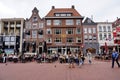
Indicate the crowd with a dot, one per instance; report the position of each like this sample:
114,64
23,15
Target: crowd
71,58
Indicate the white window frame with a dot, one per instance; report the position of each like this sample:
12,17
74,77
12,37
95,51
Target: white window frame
34,34
69,22
49,22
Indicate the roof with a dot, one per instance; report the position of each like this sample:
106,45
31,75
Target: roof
89,21
116,23
63,10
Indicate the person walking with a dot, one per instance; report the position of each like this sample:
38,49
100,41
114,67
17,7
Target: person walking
89,56
115,57
80,59
4,58
71,60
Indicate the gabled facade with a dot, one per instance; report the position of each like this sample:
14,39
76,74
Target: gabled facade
105,37
12,34
33,32
90,38
63,30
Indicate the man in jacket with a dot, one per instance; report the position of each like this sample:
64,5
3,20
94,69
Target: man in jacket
115,57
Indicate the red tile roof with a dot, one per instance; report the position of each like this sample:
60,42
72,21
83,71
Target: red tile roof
63,10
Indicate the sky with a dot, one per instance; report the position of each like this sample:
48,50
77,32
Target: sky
101,10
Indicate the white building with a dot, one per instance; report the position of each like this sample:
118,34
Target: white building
105,35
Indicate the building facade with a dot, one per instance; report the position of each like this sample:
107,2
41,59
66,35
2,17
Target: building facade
63,30
90,38
33,32
12,34
105,37
116,33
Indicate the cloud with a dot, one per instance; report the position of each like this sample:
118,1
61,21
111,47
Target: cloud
100,9
6,11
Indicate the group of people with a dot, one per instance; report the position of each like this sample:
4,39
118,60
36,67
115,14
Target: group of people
70,57
78,59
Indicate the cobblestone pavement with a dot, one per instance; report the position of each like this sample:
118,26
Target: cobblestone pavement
98,70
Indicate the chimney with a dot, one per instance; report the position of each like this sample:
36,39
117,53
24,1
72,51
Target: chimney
53,7
73,7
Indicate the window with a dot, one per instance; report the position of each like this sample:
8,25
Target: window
12,38
109,36
49,31
57,31
109,29
57,40
104,28
63,14
78,22
90,37
49,40
70,40
69,22
85,37
69,14
34,34
1,38
34,25
100,29
78,31
69,31
100,36
57,22
57,14
35,19
105,36
40,36
78,40
89,30
40,32
48,22
89,21
94,37
94,30
85,30
7,38
28,25
40,25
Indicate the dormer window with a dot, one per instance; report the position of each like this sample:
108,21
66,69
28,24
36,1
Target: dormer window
63,14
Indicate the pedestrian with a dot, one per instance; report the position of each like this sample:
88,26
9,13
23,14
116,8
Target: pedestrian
71,60
115,57
80,59
89,56
4,58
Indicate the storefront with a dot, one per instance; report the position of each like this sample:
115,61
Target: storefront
64,49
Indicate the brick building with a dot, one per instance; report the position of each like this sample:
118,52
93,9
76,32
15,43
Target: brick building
90,38
63,30
33,32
